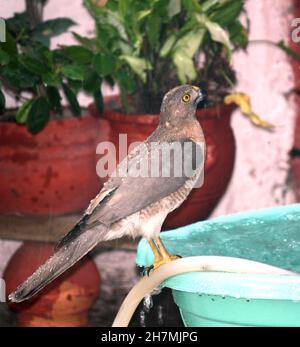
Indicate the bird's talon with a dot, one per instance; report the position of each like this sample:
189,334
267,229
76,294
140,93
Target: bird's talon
146,270
164,260
149,269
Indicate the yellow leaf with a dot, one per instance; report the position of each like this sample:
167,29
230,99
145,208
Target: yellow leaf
243,102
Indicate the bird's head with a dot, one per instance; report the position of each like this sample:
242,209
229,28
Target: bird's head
180,103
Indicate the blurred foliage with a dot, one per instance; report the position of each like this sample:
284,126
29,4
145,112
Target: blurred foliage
37,75
146,47
149,46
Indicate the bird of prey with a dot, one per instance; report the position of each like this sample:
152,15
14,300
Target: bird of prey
131,204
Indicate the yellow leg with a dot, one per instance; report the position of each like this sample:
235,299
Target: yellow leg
161,255
162,250
157,255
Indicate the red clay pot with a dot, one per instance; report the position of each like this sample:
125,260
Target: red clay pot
219,161
295,161
65,302
53,172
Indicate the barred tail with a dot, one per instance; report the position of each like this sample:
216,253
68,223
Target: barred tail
62,260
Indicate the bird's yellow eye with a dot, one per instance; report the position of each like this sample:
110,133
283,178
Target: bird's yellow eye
186,97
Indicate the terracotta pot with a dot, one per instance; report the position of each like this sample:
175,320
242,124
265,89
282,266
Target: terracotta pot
295,158
65,302
219,161
52,172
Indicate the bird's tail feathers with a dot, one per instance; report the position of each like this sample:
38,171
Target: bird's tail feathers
62,260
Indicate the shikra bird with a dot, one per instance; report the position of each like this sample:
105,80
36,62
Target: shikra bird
136,204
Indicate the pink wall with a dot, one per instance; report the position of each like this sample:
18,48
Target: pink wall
262,166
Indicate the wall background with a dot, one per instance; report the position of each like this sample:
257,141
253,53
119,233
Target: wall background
261,175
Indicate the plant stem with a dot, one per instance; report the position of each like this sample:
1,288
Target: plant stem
229,81
265,42
34,8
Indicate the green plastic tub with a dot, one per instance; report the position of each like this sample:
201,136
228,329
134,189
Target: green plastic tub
270,236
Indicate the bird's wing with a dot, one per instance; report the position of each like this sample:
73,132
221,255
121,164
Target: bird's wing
111,185
81,224
124,196
135,193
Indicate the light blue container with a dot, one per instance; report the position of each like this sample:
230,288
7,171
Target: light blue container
270,236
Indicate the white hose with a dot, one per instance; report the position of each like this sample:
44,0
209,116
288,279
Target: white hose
191,264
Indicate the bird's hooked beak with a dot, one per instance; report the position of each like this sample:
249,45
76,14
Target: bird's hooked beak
201,96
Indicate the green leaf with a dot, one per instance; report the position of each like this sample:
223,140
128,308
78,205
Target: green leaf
75,85
238,35
85,41
103,64
217,33
185,67
80,54
142,14
91,81
126,82
72,99
23,111
110,21
51,78
184,52
44,55
208,4
191,6
190,43
138,65
153,30
33,65
167,46
52,27
289,51
18,23
98,99
227,12
39,115
174,8
54,99
161,8
123,7
109,79
4,58
74,72
10,46
16,76
2,102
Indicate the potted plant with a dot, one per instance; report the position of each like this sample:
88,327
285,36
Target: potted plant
47,151
148,48
47,154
